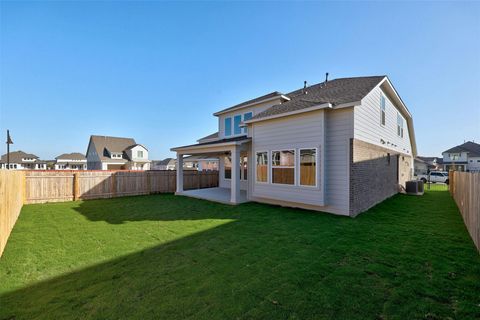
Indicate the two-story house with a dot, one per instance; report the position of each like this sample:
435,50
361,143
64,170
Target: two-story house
339,146
464,157
20,160
116,153
71,161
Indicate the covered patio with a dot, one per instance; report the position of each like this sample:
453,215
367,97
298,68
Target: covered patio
219,148
222,195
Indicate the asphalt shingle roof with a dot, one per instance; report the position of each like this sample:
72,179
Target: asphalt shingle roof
266,96
471,147
112,144
17,156
337,91
71,156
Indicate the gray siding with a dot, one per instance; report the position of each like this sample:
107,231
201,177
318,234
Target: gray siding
368,127
305,130
339,130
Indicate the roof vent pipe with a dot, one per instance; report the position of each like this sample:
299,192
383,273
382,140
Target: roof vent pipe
326,78
305,87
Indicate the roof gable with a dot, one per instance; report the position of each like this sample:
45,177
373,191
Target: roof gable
472,148
110,144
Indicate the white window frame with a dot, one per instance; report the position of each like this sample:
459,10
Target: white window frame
294,166
268,167
383,109
243,131
399,125
316,167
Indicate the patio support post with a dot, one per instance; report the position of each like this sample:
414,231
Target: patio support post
179,166
235,181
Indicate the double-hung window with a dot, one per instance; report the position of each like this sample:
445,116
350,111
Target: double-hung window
228,127
140,154
382,110
283,167
262,167
308,167
399,125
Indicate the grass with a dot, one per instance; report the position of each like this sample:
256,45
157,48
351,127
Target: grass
170,257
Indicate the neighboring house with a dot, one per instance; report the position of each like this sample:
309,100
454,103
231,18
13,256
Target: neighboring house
420,166
200,163
165,164
20,160
339,146
425,164
115,153
190,163
464,157
71,161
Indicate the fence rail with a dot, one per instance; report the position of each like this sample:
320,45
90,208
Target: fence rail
56,186
11,201
465,189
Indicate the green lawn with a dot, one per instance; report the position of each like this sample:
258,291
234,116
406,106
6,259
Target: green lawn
168,257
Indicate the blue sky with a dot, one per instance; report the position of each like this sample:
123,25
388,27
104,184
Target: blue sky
157,71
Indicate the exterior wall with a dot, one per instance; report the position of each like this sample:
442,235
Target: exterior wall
93,159
293,132
25,166
133,153
473,164
368,127
420,167
447,157
375,174
59,165
255,109
339,131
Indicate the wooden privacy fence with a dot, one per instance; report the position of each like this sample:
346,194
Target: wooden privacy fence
465,189
11,201
56,186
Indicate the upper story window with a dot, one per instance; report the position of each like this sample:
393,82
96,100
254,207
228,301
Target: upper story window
140,154
454,156
236,124
228,126
382,110
235,129
399,125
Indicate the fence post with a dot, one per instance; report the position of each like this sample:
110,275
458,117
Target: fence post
76,188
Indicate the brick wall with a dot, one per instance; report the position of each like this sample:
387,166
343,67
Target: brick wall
375,174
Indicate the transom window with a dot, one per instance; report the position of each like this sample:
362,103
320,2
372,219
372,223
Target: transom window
382,110
283,167
308,167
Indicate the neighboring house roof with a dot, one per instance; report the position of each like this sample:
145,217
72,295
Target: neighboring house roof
431,159
164,162
418,159
71,156
335,92
267,96
112,144
200,158
17,156
135,145
471,147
